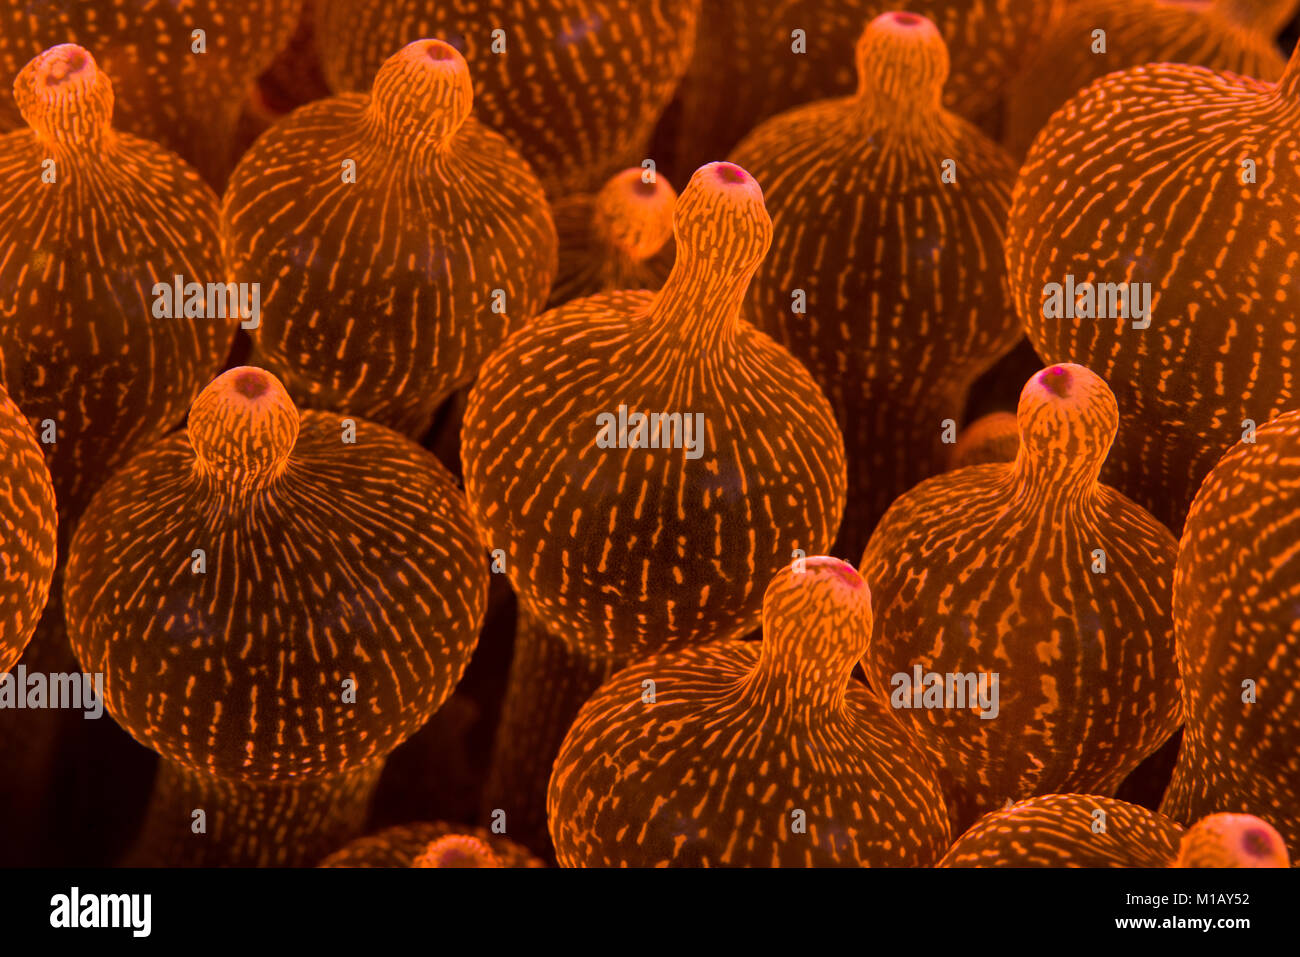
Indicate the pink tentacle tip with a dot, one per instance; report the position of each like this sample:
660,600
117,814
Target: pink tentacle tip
842,569
439,51
731,173
1056,380
252,384
1257,842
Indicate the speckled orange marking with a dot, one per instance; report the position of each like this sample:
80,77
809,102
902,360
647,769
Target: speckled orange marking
189,102
1230,35
1139,179
377,296
989,569
325,562
625,551
739,738
1065,830
619,238
1237,619
745,70
903,273
577,90
79,257
27,532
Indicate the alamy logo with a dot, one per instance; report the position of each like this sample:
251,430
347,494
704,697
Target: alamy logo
934,690
74,909
36,690
656,430
216,300
1106,300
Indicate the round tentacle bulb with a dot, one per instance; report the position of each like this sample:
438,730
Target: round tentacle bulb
1086,830
433,844
28,523
397,240
576,85
1023,630
1153,237
106,335
182,68
990,438
729,754
619,238
1237,621
886,274
649,461
30,632
748,68
1096,37
1068,830
1232,840
277,599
